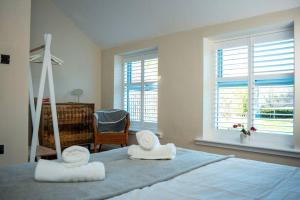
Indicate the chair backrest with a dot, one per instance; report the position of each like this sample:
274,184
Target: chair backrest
112,120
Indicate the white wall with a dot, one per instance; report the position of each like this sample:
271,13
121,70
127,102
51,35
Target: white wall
180,109
82,57
14,40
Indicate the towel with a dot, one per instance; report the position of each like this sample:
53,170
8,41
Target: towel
167,151
55,171
75,156
147,139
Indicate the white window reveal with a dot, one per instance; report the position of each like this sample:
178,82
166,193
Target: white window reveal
140,97
255,82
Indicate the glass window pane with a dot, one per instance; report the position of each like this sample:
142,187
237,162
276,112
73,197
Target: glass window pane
150,103
273,110
232,106
134,104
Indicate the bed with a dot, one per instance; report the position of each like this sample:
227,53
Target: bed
191,175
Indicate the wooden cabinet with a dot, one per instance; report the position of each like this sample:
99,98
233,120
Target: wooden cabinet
75,123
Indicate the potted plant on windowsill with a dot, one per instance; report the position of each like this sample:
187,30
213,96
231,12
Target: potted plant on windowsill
245,133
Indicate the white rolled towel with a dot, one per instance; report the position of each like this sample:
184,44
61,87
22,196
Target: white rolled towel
75,156
167,151
54,171
147,139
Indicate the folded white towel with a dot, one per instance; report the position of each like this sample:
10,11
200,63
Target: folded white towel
167,151
75,156
54,171
147,139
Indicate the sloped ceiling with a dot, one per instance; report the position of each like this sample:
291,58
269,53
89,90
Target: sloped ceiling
115,22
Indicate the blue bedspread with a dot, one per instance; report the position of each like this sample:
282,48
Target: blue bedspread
122,175
230,179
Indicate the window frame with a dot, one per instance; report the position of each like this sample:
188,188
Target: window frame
250,40
140,56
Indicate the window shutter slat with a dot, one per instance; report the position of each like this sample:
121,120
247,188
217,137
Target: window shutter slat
277,57
232,62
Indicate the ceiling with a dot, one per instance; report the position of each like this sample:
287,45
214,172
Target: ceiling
115,22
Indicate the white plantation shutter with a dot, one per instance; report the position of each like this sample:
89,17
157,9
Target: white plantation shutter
255,83
276,57
132,90
273,88
141,90
232,89
150,90
233,62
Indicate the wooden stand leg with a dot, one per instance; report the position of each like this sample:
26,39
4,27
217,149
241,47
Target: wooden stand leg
100,147
37,115
47,67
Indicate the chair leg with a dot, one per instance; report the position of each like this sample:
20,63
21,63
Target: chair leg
100,147
95,148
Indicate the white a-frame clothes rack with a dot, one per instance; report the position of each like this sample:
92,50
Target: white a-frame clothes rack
36,111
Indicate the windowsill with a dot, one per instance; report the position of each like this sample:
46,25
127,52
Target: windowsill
282,151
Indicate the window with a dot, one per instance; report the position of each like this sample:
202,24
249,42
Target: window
255,82
140,96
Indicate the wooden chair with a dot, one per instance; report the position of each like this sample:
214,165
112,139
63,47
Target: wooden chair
120,138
